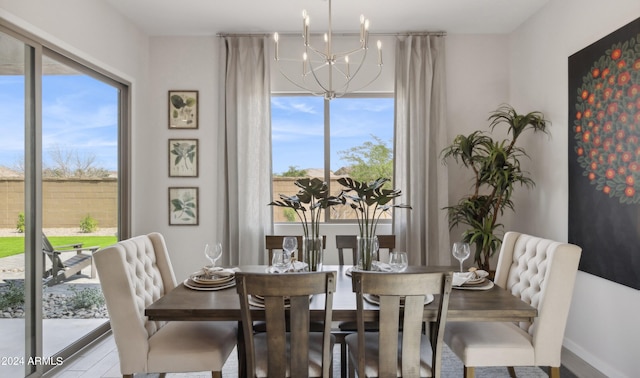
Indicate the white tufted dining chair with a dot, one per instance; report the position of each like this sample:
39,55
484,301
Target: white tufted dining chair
542,273
133,274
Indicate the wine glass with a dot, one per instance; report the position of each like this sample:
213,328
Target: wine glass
213,253
281,261
398,261
290,244
461,252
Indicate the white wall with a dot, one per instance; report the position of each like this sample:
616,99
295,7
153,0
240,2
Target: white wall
602,328
477,83
179,64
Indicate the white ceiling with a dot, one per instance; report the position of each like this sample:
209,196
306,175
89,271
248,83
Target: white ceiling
208,17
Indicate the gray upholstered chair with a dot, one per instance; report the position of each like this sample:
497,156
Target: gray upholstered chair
399,348
542,273
288,348
133,274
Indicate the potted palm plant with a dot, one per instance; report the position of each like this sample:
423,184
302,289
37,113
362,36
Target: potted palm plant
313,197
496,172
369,201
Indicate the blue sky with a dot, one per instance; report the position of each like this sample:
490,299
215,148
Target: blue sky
298,128
79,116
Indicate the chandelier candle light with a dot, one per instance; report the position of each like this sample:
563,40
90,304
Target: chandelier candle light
337,64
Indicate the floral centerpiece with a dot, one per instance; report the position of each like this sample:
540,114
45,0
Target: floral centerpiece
369,201
314,193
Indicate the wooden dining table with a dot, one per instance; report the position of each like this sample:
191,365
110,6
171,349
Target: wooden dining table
495,304
184,304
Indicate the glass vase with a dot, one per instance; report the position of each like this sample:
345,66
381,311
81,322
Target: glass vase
367,252
313,252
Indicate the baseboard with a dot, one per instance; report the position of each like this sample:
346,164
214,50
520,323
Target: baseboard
578,366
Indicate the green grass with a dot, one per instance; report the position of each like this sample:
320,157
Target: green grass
13,245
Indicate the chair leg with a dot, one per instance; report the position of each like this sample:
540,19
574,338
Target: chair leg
512,371
554,371
127,376
216,374
343,359
469,372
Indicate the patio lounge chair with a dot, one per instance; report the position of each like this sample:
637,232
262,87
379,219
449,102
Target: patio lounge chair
63,269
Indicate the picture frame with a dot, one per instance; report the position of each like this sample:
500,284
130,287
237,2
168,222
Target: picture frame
183,206
183,157
183,109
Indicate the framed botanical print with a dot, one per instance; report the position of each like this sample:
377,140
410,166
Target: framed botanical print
183,109
183,206
183,157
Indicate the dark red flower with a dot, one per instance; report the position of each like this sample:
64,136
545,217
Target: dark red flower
592,176
624,78
634,90
636,64
606,189
615,54
626,157
610,174
610,159
623,118
634,167
630,180
607,93
580,151
584,94
629,191
612,108
605,72
621,64
596,72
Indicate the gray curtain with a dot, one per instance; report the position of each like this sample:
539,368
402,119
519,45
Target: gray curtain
244,148
420,136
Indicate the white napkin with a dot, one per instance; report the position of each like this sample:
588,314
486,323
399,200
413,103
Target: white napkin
460,278
382,267
218,271
298,266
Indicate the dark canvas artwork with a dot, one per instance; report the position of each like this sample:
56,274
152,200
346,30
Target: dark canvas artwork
604,155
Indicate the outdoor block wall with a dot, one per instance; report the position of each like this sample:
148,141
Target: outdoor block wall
66,202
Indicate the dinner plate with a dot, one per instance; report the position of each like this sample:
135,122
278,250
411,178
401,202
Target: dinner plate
475,281
485,286
195,286
378,267
208,280
374,299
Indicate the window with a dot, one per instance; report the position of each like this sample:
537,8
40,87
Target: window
313,137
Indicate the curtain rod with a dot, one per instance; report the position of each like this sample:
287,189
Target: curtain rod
403,34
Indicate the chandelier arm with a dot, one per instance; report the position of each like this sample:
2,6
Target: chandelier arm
315,77
348,53
308,89
346,85
318,52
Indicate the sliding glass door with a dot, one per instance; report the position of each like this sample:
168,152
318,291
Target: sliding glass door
63,195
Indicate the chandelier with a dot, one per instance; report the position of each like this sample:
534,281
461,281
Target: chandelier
325,72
